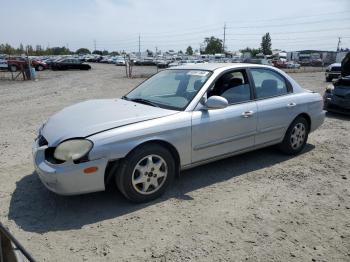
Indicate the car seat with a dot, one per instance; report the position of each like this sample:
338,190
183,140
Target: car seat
268,88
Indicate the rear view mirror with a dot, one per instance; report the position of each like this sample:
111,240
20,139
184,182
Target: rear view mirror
216,102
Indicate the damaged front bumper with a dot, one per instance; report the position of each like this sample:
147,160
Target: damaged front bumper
68,178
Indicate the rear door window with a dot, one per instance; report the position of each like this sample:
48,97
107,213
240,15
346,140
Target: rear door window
268,83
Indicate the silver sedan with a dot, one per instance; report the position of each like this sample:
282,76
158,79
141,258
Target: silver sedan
177,119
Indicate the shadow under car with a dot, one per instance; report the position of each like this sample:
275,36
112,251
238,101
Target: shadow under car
36,209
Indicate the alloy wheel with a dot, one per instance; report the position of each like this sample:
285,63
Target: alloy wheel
149,174
298,135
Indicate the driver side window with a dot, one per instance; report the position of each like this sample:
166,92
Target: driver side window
233,86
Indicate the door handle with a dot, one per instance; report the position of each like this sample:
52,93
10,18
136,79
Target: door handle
247,114
291,104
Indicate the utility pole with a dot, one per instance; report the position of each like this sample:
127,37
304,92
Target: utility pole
339,41
94,45
223,47
139,46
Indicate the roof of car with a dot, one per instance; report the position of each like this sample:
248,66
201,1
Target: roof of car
214,66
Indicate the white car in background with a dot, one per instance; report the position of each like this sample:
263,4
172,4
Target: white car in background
333,71
120,61
3,64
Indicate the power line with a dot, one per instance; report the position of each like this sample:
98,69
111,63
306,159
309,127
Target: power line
298,32
215,26
292,24
296,17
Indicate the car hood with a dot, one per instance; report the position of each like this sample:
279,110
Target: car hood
94,116
342,90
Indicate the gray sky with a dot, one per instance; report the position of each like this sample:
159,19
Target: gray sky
170,24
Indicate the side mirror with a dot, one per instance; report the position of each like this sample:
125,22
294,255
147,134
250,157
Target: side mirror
216,102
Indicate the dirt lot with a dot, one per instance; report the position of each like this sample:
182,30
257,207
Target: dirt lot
260,206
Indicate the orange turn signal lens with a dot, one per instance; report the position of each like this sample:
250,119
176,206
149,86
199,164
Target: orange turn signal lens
91,169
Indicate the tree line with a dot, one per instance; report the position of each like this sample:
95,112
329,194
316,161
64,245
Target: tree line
38,50
212,45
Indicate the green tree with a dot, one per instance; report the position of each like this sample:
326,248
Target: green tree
266,44
253,51
59,51
105,52
38,50
180,52
212,45
83,51
189,50
7,49
114,53
29,50
97,52
20,50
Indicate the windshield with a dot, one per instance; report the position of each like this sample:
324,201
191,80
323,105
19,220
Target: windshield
172,89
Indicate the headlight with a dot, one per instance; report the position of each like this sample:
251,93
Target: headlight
73,149
329,89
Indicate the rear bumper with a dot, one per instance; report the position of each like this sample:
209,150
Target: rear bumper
332,75
336,105
317,120
68,178
336,109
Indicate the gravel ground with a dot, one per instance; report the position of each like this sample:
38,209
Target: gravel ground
260,206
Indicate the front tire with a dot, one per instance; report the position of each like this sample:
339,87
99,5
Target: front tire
296,137
13,68
145,173
39,68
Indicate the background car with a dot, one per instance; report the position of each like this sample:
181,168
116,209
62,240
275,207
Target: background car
16,63
333,71
337,96
70,63
3,64
179,118
292,65
120,61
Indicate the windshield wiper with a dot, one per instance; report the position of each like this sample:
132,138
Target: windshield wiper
142,101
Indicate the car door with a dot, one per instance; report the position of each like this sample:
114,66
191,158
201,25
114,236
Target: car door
223,131
275,102
76,64
71,64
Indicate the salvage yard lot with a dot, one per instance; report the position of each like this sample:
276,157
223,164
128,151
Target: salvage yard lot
260,206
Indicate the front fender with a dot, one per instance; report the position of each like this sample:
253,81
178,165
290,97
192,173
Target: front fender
117,143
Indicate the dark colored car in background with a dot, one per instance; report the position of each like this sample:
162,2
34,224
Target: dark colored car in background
70,63
50,61
337,97
333,71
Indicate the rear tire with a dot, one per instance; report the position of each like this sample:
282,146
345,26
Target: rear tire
145,173
296,137
328,79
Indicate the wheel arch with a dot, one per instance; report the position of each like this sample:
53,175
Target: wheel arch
113,165
306,117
